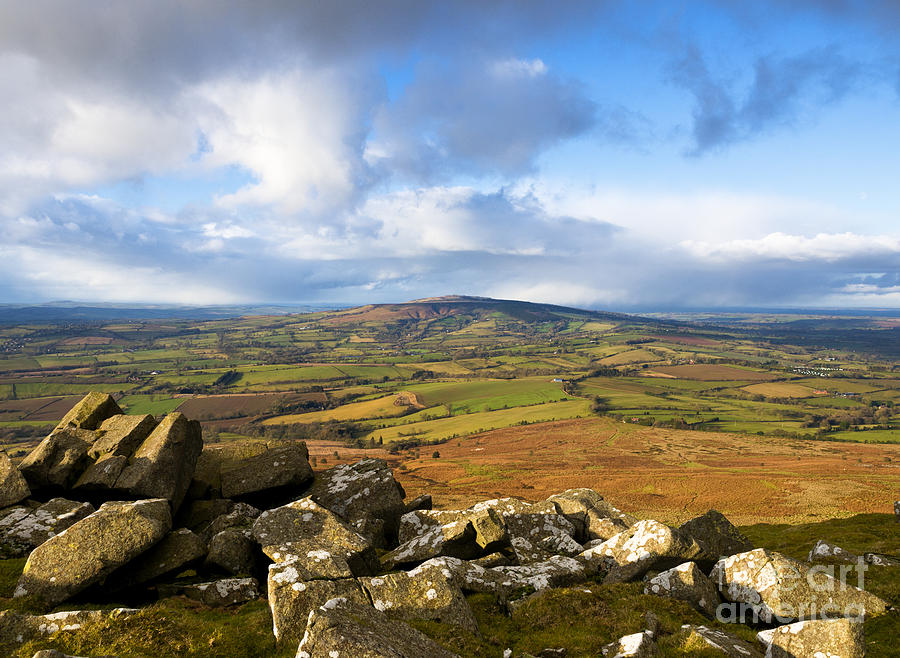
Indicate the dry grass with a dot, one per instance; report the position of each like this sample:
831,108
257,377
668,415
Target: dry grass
668,474
780,390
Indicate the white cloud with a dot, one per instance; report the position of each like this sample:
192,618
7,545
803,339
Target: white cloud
56,274
298,132
827,247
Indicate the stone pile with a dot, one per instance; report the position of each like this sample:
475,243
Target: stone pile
110,503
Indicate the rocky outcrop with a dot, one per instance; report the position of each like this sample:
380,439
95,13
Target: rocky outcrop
93,548
291,598
177,550
13,487
25,529
821,637
454,539
163,465
593,517
716,536
364,490
232,551
304,525
224,592
90,412
824,551
771,585
686,583
120,435
421,594
60,458
274,473
646,545
344,628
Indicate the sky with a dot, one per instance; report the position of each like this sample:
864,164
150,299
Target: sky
602,154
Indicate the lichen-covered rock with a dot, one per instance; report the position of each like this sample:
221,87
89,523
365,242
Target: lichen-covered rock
345,628
877,560
421,594
686,583
17,628
716,535
472,577
636,645
121,435
536,537
163,465
646,545
58,460
558,571
311,564
593,517
22,532
364,489
712,639
824,551
772,585
232,551
176,551
490,528
841,638
13,487
277,469
423,502
454,539
92,548
291,598
90,412
241,515
224,592
101,476
304,524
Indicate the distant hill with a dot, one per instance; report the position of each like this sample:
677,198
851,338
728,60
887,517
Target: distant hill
474,307
76,312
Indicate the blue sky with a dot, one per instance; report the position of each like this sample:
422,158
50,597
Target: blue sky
601,154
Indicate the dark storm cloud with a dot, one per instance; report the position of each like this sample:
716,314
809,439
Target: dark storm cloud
783,91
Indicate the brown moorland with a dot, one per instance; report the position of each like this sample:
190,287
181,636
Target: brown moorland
660,473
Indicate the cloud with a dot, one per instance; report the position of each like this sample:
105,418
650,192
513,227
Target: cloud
825,247
783,91
481,117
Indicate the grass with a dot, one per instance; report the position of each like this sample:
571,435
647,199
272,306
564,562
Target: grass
466,424
381,407
867,436
172,627
478,396
156,405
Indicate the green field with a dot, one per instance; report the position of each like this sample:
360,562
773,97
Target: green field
454,426
463,361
